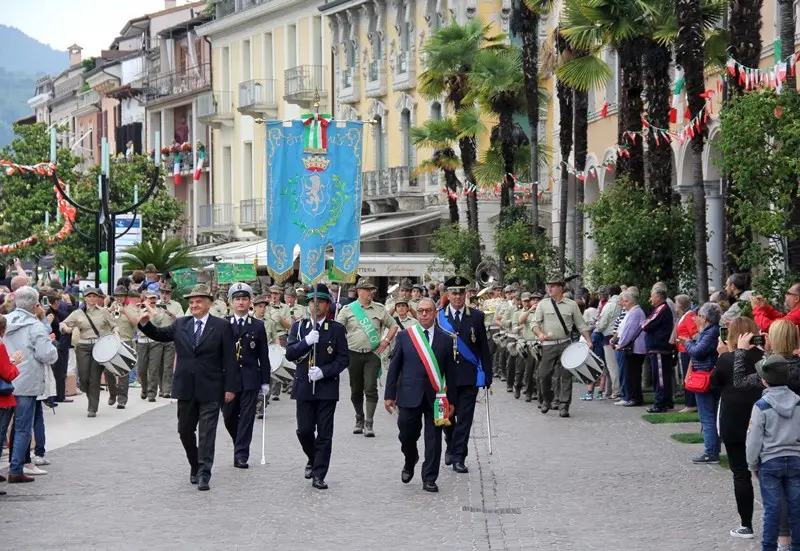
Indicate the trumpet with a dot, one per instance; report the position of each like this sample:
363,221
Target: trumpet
116,313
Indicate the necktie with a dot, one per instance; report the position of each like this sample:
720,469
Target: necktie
458,316
427,337
198,331
241,326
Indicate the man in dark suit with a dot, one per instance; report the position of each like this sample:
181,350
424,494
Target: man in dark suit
473,368
252,356
319,348
410,389
206,372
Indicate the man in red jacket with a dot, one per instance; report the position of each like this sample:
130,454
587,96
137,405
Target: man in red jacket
765,314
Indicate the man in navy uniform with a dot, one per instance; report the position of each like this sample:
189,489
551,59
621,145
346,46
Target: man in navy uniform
250,341
473,367
318,346
415,394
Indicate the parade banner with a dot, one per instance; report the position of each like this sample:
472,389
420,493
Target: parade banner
314,196
231,273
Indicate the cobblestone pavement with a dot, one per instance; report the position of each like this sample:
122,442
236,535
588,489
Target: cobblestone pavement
602,480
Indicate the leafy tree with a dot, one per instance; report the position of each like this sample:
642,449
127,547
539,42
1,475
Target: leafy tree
167,255
634,240
441,135
760,146
458,246
26,197
526,257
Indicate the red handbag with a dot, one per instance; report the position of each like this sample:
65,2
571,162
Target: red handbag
697,381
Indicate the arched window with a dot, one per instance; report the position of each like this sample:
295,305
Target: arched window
436,111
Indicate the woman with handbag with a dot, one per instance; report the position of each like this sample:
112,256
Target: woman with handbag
734,417
703,354
8,372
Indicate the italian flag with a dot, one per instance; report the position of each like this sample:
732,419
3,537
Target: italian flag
440,404
676,97
176,173
198,171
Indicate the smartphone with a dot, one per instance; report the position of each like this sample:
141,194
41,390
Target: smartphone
723,333
162,306
757,340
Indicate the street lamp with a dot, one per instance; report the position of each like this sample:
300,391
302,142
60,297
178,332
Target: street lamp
105,229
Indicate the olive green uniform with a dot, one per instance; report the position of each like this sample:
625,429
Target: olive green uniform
126,331
365,364
89,371
546,320
168,352
278,335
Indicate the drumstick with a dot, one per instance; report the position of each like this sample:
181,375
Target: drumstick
264,429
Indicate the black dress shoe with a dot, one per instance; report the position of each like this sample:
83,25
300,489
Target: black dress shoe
656,410
308,469
65,401
240,464
319,484
193,478
430,487
120,406
528,398
407,474
112,400
448,459
459,467
563,413
202,485
544,408
151,399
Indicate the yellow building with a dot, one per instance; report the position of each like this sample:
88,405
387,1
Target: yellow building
603,142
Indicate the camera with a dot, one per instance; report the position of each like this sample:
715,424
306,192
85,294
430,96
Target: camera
757,340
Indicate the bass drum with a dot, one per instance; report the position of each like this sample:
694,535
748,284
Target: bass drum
282,370
114,355
585,365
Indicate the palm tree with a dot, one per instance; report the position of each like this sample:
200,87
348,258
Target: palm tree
490,169
786,15
441,135
525,22
588,25
167,256
690,55
497,86
450,53
565,98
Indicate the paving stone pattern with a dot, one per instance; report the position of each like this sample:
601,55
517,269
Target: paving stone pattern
603,480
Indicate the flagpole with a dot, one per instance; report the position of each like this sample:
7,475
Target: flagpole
314,350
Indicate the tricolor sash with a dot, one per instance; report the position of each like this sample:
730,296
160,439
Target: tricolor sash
366,325
440,404
463,349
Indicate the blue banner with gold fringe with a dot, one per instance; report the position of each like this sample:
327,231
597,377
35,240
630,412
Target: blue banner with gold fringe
314,195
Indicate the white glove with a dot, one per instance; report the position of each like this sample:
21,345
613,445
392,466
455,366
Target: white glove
264,389
314,373
312,337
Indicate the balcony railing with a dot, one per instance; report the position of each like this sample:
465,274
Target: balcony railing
217,216
224,8
178,82
387,182
214,105
302,81
252,213
257,93
68,87
88,99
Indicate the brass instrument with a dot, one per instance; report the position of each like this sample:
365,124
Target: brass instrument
487,273
116,313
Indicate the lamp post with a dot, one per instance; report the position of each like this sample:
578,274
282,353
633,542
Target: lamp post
105,228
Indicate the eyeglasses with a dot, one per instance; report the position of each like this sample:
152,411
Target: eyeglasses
793,294
424,310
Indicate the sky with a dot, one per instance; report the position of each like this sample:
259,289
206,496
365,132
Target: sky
91,24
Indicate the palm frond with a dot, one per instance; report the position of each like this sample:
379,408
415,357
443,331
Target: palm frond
715,48
490,171
435,133
584,73
168,255
469,123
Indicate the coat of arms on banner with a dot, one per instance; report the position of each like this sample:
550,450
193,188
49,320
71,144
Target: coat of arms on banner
314,194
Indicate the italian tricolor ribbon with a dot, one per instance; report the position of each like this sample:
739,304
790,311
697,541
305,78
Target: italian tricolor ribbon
316,133
440,405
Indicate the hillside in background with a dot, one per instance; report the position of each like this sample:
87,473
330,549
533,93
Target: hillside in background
22,60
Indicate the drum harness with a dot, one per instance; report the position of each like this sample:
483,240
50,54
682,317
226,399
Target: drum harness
96,332
570,335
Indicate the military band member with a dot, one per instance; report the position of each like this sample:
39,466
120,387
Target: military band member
509,326
280,316
404,293
172,310
473,368
501,355
159,368
126,317
554,338
489,308
402,314
93,323
296,311
365,321
422,364
250,341
526,379
416,296
319,348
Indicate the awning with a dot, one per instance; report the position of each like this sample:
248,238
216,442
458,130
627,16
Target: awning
371,227
396,265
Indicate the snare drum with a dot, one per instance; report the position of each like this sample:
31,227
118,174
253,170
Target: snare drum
281,369
114,355
584,364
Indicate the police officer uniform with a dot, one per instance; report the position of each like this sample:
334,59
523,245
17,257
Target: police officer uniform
253,359
470,327
320,353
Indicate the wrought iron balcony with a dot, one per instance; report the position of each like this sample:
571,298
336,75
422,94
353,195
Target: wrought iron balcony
215,108
193,79
257,98
302,82
218,217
